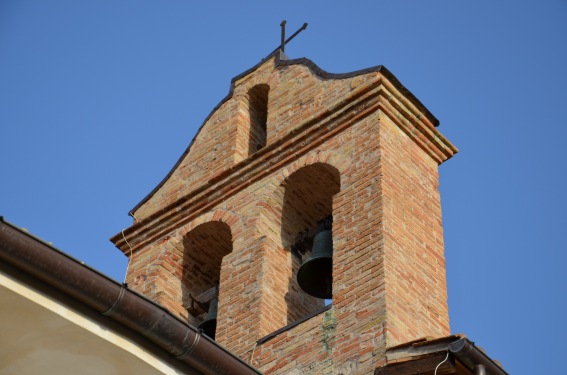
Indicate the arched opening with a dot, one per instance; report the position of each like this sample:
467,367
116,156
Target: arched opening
258,112
204,248
307,211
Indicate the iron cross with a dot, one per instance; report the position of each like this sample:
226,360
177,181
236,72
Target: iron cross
284,41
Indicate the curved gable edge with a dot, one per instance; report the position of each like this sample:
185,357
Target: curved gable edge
282,60
374,69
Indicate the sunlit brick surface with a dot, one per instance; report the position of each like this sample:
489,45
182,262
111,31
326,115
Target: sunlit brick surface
357,147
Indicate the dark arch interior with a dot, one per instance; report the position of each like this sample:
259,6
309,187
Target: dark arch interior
258,107
204,248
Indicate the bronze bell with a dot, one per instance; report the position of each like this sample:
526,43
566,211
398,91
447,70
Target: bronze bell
209,324
315,276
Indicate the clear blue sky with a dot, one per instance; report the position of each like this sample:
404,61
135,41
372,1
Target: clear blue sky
98,99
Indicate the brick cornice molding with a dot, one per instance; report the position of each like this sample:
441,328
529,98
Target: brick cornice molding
377,92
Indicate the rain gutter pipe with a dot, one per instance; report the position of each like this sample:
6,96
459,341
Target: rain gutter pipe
474,359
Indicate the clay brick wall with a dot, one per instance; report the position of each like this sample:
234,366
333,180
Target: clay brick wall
358,147
416,296
306,348
295,95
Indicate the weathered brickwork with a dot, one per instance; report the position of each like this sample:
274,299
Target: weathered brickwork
358,147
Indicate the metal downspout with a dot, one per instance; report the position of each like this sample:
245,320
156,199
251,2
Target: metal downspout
479,370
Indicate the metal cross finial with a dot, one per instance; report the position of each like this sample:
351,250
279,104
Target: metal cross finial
285,41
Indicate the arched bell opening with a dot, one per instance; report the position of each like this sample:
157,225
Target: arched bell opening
307,232
204,248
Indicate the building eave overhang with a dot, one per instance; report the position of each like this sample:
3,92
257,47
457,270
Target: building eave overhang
116,301
454,354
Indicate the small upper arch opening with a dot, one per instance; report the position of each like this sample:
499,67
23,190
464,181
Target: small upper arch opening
258,115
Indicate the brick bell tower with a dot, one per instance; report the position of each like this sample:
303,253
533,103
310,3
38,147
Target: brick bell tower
291,152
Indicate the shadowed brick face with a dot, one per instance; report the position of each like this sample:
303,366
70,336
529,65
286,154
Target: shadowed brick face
358,147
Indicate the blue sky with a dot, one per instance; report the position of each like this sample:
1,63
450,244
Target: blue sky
99,99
